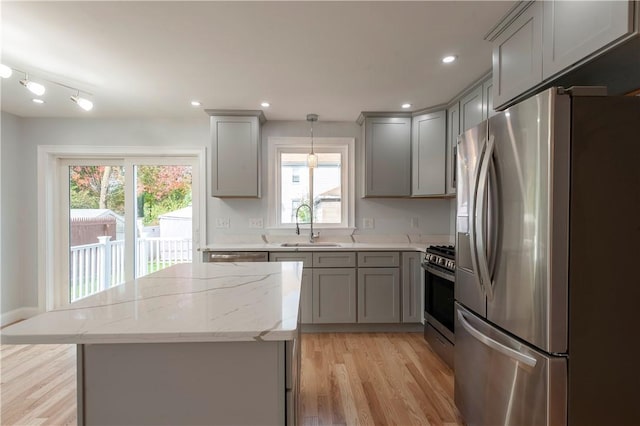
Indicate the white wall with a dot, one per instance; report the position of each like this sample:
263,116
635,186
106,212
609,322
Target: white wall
17,217
19,147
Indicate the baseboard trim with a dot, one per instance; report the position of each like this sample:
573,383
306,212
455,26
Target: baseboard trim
362,328
17,315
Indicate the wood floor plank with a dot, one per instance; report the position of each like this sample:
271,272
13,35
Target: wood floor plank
346,379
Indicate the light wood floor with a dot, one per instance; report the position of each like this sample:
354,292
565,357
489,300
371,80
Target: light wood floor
347,379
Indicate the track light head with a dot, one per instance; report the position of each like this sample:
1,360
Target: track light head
83,103
5,71
35,88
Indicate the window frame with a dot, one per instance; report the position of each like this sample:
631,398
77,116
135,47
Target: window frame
52,159
345,146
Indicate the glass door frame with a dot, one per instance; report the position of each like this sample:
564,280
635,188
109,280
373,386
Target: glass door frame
53,237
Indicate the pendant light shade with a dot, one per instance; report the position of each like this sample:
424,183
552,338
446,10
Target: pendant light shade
312,158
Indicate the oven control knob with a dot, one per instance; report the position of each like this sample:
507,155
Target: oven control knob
441,261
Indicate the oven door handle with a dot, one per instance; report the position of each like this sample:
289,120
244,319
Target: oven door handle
495,345
438,273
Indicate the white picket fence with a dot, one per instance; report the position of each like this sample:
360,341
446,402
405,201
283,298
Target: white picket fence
96,267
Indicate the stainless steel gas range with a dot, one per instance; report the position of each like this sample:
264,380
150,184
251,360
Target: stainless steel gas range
439,265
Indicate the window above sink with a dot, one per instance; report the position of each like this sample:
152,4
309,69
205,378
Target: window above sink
331,185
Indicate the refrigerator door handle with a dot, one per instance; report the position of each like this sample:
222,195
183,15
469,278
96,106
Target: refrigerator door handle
473,220
494,224
493,344
479,226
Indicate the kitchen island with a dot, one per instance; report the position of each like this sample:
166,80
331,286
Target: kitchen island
191,344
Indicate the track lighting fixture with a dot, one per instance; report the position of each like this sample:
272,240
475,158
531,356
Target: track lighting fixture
38,89
35,88
83,103
5,71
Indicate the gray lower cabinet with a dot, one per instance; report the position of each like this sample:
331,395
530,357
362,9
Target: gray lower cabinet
334,295
306,292
412,288
378,295
306,297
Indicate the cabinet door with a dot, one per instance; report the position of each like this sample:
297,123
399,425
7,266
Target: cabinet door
235,165
575,29
378,295
412,287
387,157
453,130
334,295
517,56
471,110
306,297
487,100
428,145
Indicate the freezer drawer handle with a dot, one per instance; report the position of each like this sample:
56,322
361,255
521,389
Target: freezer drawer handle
493,344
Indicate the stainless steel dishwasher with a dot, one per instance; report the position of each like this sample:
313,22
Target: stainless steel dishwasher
235,256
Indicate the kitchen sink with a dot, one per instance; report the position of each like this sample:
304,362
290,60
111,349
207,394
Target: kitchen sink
309,245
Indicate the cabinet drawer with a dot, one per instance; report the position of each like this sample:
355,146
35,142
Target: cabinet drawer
378,259
283,256
334,259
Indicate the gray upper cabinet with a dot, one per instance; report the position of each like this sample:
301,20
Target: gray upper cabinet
471,109
412,287
487,100
542,40
387,156
517,55
378,295
574,30
428,146
334,295
235,153
453,130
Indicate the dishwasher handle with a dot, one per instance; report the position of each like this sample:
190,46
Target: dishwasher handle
248,256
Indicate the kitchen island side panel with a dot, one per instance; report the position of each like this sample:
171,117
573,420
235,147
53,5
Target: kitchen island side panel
227,383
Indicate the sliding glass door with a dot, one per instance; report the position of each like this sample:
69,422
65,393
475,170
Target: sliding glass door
123,218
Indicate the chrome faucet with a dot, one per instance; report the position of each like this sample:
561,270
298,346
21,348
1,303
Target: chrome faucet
313,236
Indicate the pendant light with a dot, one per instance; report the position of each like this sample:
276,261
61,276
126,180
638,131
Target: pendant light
312,158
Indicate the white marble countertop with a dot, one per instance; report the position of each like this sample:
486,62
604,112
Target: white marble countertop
317,247
211,302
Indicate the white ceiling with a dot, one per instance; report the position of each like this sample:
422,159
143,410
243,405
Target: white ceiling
150,59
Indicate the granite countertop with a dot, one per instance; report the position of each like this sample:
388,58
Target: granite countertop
210,302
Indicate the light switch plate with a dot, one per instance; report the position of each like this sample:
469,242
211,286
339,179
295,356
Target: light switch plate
222,222
367,223
414,222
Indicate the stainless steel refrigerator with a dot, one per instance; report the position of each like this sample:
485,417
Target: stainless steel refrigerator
548,260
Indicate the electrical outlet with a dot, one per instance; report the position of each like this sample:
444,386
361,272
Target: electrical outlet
222,222
255,222
367,223
414,222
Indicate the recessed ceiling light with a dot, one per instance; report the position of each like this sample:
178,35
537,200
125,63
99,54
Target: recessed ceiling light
405,106
265,104
195,103
449,59
37,101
